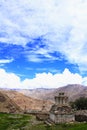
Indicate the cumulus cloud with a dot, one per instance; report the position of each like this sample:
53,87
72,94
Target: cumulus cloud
63,25
9,80
48,80
41,80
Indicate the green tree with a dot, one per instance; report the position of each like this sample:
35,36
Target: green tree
80,104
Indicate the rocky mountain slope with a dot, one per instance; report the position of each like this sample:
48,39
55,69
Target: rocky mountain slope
27,103
8,105
73,91
38,93
36,99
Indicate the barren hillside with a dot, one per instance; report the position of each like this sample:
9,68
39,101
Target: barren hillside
8,105
74,91
35,99
27,103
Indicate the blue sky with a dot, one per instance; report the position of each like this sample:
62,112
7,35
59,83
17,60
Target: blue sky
43,43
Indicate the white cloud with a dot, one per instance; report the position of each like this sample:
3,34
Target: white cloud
62,23
9,80
23,20
48,80
4,61
44,80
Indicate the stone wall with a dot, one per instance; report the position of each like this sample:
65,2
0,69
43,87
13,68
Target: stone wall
62,118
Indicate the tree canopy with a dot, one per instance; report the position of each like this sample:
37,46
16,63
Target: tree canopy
80,104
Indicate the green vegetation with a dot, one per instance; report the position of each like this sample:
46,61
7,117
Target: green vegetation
13,121
80,126
80,104
28,122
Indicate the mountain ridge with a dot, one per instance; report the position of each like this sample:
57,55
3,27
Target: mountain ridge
35,99
26,103
72,90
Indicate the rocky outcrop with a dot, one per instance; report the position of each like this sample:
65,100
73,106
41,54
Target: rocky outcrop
81,115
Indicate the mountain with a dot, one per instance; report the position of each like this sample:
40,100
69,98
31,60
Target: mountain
25,102
73,91
8,105
38,93
36,99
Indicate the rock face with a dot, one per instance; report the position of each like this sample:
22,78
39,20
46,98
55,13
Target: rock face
7,105
81,115
2,98
61,112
